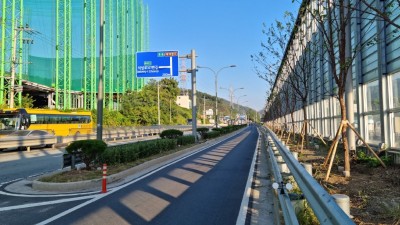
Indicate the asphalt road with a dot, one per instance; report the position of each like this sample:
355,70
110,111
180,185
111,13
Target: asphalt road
203,188
16,164
21,164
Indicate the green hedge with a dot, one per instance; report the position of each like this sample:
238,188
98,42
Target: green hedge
171,134
212,134
186,140
202,131
131,152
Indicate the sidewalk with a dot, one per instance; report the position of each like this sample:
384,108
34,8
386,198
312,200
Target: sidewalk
261,205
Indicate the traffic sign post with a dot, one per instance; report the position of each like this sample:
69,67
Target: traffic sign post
157,64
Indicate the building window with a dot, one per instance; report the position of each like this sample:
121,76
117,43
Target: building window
396,129
396,90
372,96
374,129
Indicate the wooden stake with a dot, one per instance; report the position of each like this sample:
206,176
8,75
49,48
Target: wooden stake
368,147
336,139
333,153
302,137
315,131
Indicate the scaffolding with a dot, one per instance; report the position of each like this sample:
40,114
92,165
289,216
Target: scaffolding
65,58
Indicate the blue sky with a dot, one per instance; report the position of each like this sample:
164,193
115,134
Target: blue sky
223,32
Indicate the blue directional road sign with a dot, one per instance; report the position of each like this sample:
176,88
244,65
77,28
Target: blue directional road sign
157,64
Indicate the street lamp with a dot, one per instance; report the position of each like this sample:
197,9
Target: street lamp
237,101
231,94
243,111
216,88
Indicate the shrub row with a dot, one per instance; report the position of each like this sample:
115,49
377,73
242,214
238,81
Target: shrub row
131,152
222,130
202,131
171,134
185,140
212,134
97,151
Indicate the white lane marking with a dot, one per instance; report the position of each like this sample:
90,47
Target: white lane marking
247,191
7,182
98,197
45,203
48,195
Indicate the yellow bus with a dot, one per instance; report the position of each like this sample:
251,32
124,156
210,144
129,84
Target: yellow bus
53,121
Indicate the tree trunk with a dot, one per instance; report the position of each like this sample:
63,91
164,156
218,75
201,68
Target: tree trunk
305,137
346,154
293,127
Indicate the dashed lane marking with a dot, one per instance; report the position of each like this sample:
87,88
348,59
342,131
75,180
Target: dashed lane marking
8,208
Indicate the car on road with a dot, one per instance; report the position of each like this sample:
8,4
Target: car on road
30,133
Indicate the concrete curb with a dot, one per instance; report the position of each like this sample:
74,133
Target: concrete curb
121,176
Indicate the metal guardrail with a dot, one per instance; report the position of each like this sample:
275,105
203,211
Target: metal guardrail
322,203
288,211
109,134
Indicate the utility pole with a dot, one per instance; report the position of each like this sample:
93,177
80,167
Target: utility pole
101,70
204,109
193,71
194,104
158,103
12,83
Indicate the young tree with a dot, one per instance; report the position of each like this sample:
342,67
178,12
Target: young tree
267,62
140,107
333,20
385,12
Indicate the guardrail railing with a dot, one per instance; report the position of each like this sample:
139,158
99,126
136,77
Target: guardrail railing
287,208
109,134
322,203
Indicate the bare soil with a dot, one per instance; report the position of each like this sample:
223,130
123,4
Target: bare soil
374,192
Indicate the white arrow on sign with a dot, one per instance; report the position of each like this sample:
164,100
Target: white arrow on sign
168,67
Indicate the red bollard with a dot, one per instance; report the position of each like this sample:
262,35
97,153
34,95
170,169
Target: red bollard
104,188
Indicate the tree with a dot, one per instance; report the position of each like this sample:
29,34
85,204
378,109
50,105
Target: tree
267,62
332,21
140,107
382,12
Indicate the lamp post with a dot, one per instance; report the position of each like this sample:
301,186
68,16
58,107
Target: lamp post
242,109
216,88
231,94
237,104
237,101
204,109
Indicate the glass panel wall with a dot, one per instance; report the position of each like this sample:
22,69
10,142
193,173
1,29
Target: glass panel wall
374,129
396,128
396,90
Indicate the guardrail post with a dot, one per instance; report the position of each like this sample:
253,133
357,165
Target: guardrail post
104,183
343,202
73,161
296,155
308,167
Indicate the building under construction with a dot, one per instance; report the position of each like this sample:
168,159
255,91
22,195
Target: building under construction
49,49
